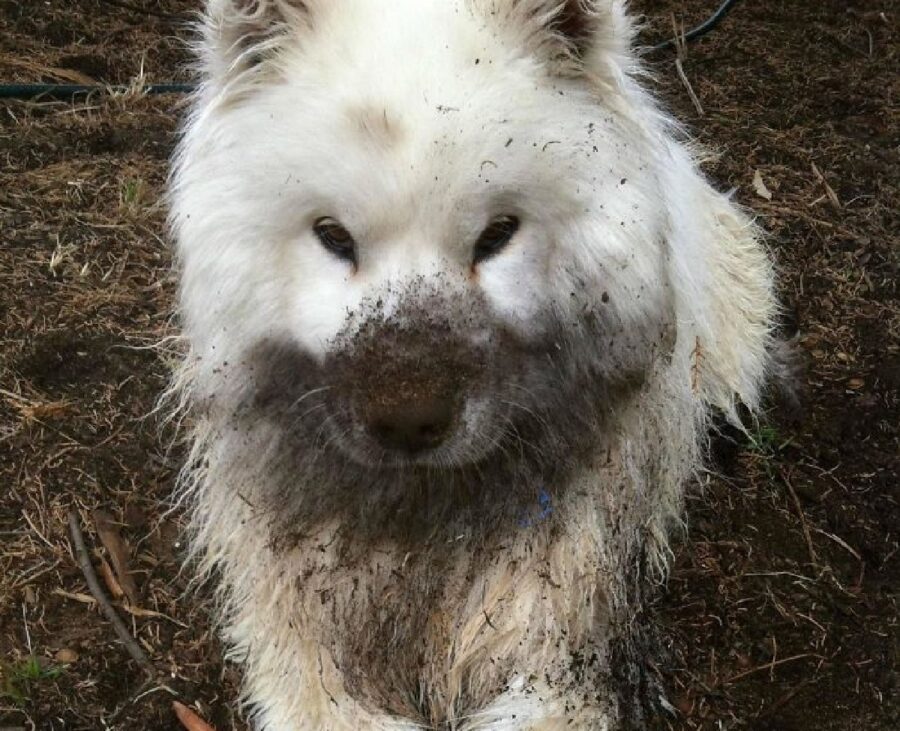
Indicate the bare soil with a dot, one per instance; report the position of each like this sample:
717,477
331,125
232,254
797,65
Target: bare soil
781,610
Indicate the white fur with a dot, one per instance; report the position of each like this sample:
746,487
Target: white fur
605,192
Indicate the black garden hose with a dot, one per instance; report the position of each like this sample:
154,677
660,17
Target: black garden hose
70,91
702,29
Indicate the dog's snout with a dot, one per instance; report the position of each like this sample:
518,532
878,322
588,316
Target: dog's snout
411,425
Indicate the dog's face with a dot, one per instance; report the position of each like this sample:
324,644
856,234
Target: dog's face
422,240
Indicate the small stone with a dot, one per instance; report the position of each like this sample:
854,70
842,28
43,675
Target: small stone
66,656
685,705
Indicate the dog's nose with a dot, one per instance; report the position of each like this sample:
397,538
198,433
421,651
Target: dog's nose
411,425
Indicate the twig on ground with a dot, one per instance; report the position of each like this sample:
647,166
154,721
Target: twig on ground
681,54
829,191
803,524
90,576
148,687
769,666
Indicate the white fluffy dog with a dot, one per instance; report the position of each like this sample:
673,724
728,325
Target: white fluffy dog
459,307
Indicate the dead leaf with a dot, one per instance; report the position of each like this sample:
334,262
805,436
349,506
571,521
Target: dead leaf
760,187
37,411
118,552
110,580
190,720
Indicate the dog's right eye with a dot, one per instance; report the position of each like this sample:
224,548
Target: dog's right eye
336,239
495,237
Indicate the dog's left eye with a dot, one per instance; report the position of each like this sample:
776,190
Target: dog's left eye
495,237
336,239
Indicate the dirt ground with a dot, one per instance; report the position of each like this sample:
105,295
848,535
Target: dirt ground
781,611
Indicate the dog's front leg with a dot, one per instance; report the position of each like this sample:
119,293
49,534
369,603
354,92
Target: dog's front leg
528,706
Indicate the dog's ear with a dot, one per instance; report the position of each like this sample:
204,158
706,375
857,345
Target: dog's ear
572,36
728,306
239,35
574,22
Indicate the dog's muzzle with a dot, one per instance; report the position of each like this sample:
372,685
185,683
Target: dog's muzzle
414,419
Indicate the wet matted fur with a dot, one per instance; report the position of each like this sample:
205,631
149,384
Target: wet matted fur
494,579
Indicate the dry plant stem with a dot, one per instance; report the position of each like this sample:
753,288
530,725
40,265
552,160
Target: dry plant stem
769,666
680,55
803,524
687,85
829,191
148,687
84,560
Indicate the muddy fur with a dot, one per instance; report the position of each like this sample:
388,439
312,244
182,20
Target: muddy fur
494,580
409,539
555,395
430,587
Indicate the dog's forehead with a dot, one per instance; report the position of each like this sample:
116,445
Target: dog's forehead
424,66
431,88
375,126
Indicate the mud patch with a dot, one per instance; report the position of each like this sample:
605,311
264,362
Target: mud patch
64,361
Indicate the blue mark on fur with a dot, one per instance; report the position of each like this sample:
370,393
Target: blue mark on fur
545,510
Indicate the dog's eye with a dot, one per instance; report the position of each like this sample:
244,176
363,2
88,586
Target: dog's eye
496,236
336,239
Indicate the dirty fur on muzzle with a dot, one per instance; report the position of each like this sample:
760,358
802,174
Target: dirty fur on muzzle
523,413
